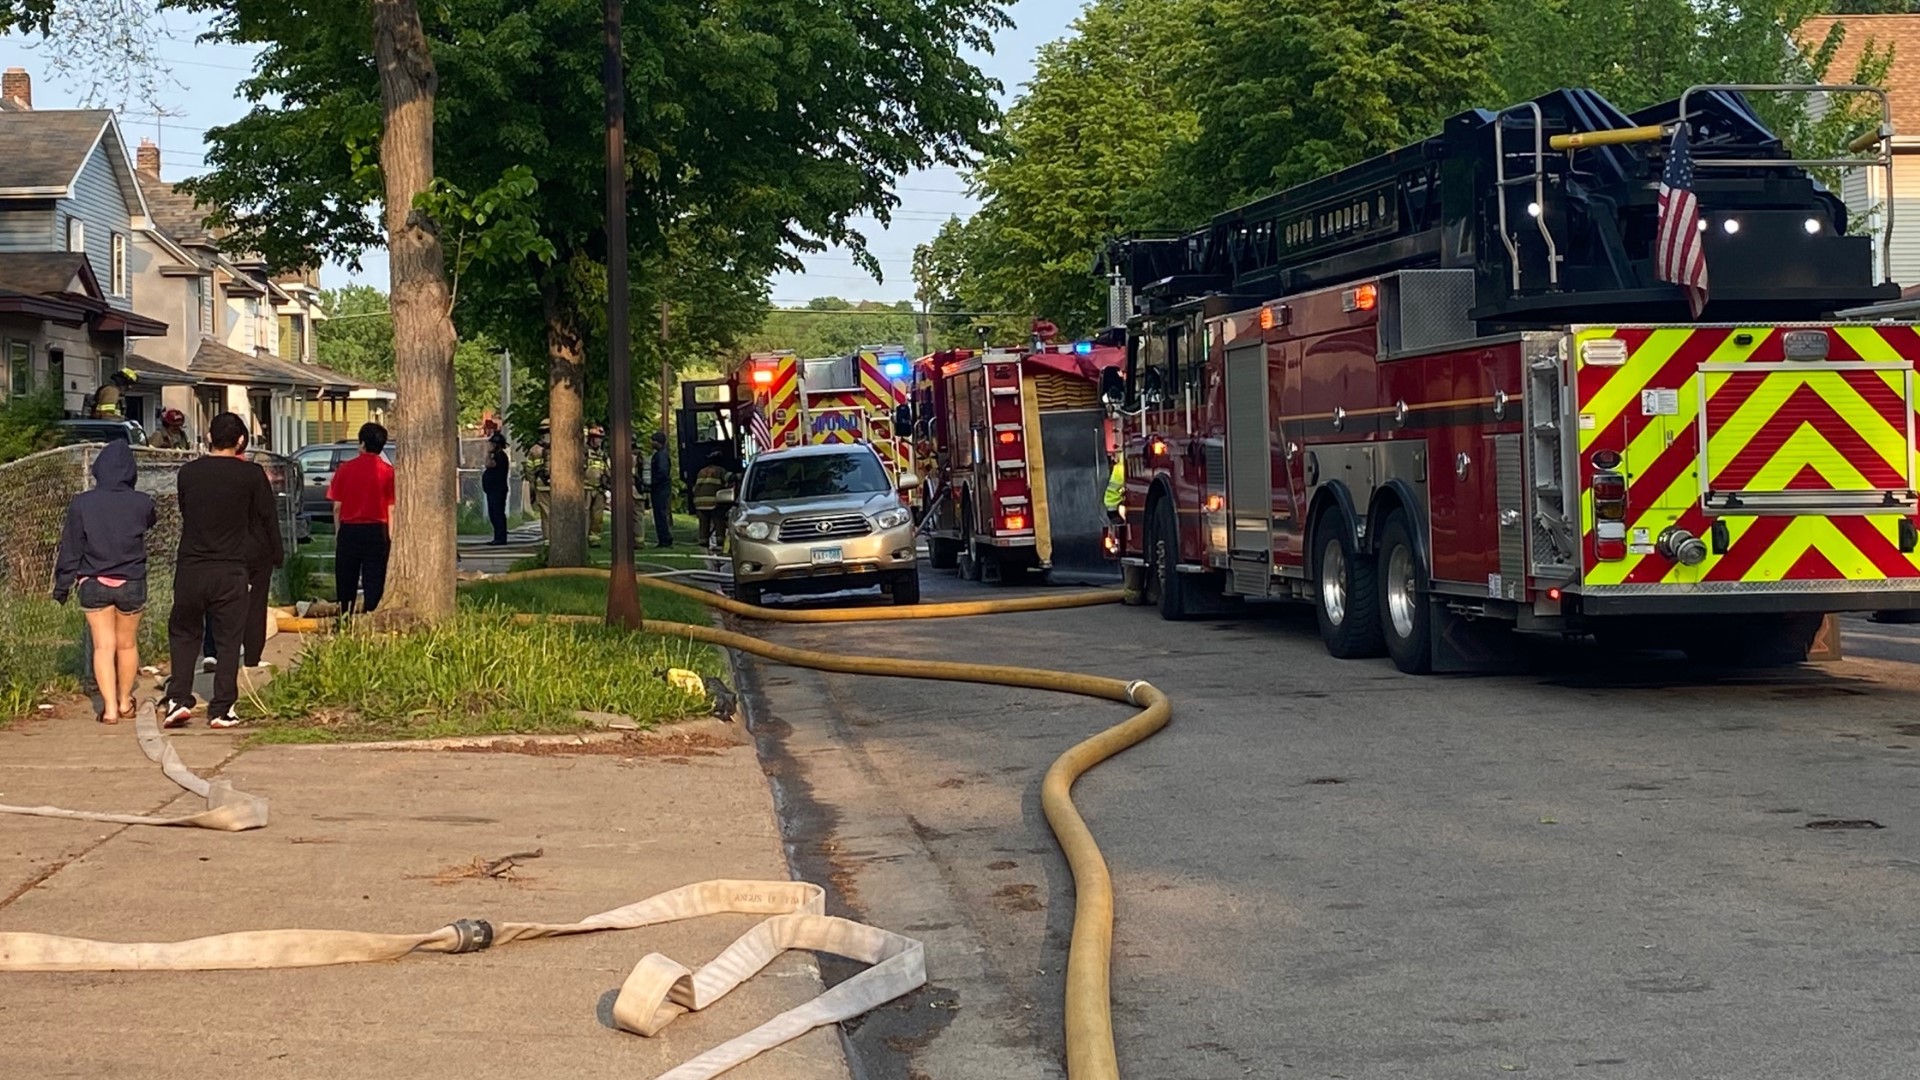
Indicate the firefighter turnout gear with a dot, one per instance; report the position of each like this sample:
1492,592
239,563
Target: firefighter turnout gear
540,476
707,486
598,467
1116,488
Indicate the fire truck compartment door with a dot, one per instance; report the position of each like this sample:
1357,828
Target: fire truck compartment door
1074,446
1249,452
1803,437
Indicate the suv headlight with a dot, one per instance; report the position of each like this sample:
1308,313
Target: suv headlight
894,518
757,530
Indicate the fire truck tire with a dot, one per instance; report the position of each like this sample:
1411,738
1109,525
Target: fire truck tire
967,559
1163,547
1406,617
906,589
943,554
1346,601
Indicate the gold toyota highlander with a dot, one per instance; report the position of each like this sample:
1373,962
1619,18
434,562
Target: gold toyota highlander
819,519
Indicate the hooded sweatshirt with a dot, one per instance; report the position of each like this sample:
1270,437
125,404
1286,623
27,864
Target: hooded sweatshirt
106,530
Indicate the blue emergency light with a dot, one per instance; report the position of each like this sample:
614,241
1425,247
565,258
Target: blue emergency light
1084,348
894,369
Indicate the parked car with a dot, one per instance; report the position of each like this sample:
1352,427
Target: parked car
75,432
817,519
317,463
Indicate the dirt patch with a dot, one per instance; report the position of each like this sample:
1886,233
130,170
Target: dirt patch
951,783
1020,897
481,868
1002,864
674,747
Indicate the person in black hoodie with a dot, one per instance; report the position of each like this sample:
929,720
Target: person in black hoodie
103,552
493,483
226,511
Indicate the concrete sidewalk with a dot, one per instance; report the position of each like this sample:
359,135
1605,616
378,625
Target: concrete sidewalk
384,841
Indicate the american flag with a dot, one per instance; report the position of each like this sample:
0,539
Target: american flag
1679,248
762,435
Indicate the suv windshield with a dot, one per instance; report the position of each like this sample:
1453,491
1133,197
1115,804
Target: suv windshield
816,476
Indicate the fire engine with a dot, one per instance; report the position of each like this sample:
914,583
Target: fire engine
1443,395
1014,447
776,399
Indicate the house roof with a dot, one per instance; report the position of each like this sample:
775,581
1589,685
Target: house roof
49,273
220,363
44,151
1901,32
339,378
173,211
155,372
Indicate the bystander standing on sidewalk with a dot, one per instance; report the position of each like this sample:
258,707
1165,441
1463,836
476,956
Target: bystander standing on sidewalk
103,552
493,482
225,501
660,485
266,551
362,496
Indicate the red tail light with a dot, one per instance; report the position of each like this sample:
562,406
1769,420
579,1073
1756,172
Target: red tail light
1007,437
1014,522
1609,516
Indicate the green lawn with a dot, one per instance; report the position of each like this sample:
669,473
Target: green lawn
482,674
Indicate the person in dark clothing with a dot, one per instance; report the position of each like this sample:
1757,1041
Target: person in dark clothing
660,481
265,553
226,505
493,482
103,552
362,493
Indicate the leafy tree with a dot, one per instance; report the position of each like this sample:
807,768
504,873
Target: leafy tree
831,326
1076,162
357,339
757,131
109,48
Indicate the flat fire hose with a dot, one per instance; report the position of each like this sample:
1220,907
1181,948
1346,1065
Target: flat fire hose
228,809
659,989
657,992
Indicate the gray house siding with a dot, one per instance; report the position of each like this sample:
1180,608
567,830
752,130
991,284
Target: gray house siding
27,228
99,202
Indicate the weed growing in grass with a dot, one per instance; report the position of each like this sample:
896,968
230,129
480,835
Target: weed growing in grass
480,674
39,651
574,596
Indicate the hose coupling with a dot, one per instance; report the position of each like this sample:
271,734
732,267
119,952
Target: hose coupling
1133,690
471,935
1681,546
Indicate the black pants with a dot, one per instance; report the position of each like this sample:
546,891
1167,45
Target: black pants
202,591
259,591
497,513
360,563
663,518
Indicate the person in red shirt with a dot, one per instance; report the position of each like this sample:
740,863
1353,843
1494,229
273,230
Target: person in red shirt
362,497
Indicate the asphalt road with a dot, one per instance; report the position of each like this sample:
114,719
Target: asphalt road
1603,868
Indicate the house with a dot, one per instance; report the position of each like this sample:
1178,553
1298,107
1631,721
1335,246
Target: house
69,211
1865,191
245,331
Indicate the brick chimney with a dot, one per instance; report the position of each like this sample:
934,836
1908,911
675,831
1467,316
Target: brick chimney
18,85
147,159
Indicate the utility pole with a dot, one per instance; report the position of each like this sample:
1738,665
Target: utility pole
623,592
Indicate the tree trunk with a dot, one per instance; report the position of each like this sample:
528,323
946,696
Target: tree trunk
566,388
425,552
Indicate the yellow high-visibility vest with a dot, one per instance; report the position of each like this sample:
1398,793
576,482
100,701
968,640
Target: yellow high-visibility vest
1116,486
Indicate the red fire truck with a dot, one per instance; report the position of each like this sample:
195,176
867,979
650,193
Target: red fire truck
1445,394
1014,447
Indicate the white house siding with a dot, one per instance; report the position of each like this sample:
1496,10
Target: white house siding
1906,219
100,203
28,228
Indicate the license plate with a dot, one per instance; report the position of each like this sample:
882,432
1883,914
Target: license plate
825,556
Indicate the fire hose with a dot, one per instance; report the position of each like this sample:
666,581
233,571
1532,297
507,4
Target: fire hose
660,988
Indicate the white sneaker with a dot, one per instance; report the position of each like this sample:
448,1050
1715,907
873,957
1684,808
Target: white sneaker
231,720
264,665
207,663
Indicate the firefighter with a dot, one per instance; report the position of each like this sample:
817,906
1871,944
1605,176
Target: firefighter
596,481
542,475
1116,489
173,432
707,485
106,400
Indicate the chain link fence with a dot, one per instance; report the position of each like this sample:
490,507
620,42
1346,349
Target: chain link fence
35,491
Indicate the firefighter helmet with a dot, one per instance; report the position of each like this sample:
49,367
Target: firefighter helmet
545,423
172,417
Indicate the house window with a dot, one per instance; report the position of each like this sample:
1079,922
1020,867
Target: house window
76,235
120,264
19,367
206,305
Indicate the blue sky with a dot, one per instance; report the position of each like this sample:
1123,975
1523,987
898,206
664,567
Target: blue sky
202,96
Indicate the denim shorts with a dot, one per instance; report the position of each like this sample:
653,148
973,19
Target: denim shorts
129,597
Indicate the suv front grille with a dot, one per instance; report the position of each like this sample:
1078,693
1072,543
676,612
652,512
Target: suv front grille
834,527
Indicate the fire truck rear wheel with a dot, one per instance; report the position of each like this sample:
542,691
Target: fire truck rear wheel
967,559
1347,605
1406,619
1163,547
